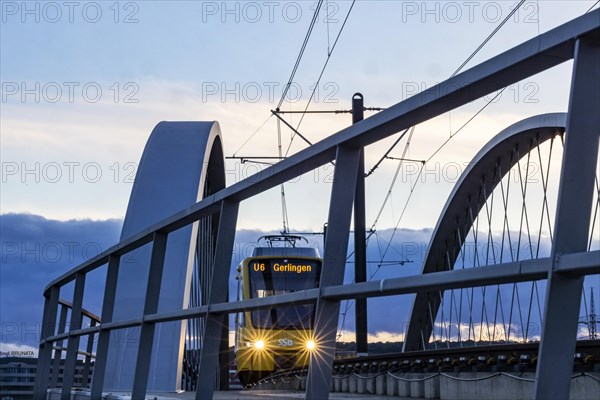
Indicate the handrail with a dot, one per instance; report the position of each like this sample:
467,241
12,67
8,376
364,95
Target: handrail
85,312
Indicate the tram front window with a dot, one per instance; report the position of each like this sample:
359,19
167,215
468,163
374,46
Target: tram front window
269,277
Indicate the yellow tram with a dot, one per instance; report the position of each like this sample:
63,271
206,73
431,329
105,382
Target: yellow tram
280,337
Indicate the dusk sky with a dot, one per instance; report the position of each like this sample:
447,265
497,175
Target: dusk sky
84,83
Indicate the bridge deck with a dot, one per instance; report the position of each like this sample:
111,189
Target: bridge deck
232,395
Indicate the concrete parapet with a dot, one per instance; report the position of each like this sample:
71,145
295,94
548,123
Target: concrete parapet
404,388
337,383
303,383
381,384
445,386
352,386
392,386
499,386
492,386
296,383
432,387
417,385
346,384
585,386
370,384
361,384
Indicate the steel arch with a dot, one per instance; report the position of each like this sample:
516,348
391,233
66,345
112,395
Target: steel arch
445,246
182,163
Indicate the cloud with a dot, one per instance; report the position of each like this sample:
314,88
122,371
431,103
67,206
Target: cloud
17,350
381,336
59,158
36,250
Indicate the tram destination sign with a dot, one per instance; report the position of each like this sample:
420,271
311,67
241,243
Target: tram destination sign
279,266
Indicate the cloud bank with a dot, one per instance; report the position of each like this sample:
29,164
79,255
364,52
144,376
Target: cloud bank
36,250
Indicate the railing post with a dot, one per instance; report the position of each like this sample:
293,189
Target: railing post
211,340
62,323
88,357
144,355
45,351
336,247
571,225
73,341
108,305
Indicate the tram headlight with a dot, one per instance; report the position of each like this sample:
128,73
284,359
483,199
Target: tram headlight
310,345
259,344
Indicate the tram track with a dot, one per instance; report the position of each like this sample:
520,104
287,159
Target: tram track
510,358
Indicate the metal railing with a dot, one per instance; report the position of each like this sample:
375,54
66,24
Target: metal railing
94,320
345,147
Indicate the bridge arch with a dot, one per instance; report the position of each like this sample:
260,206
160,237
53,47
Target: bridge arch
181,164
474,187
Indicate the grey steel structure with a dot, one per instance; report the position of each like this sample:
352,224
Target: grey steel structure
181,164
468,197
577,40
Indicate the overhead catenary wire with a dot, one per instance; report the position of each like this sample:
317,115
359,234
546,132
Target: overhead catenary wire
439,148
372,230
451,136
284,213
412,189
252,135
329,53
487,39
280,119
290,81
498,94
283,95
301,53
394,179
326,111
593,5
327,23
278,110
387,152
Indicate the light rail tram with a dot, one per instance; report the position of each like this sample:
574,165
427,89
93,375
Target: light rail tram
281,337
